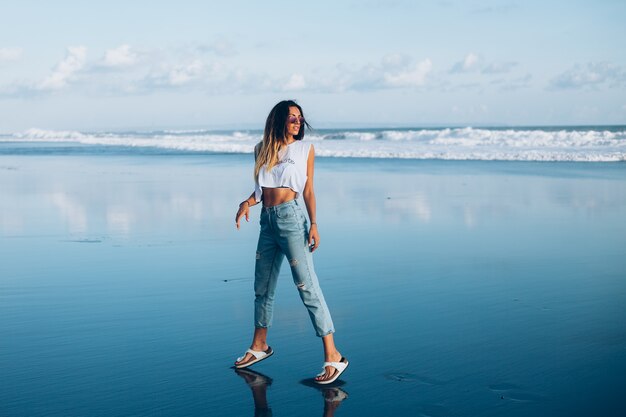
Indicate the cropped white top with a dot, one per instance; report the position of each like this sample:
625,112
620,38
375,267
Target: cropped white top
290,171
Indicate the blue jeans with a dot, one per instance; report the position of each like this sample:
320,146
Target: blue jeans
284,232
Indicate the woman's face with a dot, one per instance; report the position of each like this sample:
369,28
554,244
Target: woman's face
294,121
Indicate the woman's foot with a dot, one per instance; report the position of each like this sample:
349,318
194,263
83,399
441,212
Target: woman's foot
259,345
253,355
331,373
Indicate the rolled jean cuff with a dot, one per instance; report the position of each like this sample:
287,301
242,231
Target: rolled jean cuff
331,331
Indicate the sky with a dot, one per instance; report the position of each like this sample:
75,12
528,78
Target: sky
116,65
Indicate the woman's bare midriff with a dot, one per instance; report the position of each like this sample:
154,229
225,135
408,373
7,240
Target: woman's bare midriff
275,196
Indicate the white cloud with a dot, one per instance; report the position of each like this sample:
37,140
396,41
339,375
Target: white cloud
499,67
177,75
10,54
393,71
596,74
409,77
121,56
468,64
473,62
296,82
184,74
151,71
210,78
73,62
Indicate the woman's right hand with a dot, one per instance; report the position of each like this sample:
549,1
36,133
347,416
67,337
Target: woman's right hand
244,210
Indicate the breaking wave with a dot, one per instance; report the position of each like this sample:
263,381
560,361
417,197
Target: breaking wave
514,144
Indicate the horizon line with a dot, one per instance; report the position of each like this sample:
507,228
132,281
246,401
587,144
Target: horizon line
326,126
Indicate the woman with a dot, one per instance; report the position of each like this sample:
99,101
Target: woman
284,170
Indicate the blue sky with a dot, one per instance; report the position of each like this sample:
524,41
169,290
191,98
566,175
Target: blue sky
204,64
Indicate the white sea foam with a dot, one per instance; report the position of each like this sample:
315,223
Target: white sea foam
449,143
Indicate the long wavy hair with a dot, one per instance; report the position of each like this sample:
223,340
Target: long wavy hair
274,135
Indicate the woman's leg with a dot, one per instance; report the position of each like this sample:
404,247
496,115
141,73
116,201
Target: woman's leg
300,260
292,236
294,243
290,233
331,354
267,267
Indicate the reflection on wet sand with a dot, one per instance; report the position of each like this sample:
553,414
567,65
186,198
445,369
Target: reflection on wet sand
86,202
501,282
259,383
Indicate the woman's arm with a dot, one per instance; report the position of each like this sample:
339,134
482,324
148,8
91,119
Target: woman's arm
244,209
309,199
244,206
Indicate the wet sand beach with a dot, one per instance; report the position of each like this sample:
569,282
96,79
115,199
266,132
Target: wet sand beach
457,288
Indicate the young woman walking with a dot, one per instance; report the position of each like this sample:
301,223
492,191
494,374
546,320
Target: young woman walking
283,171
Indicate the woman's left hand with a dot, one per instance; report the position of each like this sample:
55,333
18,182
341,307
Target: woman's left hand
314,237
244,210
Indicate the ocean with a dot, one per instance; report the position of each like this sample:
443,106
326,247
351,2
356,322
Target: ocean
563,143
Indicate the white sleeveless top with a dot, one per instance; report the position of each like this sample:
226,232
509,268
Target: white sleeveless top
290,171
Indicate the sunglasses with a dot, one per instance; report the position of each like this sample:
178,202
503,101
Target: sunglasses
294,119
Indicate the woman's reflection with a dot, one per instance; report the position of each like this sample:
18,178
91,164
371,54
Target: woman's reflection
258,383
333,396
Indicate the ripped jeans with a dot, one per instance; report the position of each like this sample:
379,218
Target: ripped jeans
284,232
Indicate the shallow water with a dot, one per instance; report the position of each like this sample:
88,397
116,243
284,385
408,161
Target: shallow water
457,288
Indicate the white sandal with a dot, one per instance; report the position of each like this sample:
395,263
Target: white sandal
339,366
258,355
